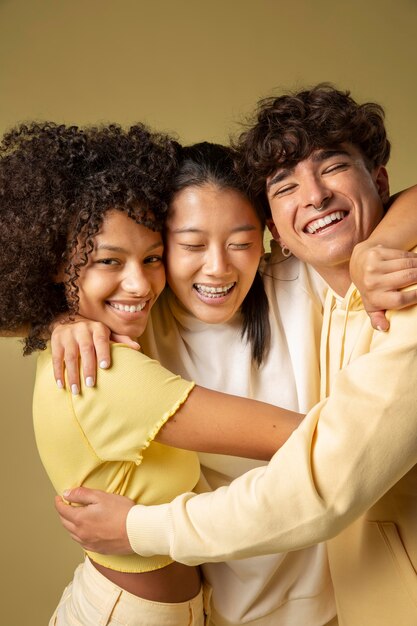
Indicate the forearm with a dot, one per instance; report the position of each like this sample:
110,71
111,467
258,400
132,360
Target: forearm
346,454
270,509
209,421
398,229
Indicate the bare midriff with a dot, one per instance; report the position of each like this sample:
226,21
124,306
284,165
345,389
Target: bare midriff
173,583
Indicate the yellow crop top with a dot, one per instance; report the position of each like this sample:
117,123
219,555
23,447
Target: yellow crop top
103,437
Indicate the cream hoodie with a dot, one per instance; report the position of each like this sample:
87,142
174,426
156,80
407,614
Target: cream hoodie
349,468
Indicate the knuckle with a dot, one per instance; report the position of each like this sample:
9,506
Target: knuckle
56,361
372,257
71,358
369,281
410,275
409,260
397,300
102,337
86,349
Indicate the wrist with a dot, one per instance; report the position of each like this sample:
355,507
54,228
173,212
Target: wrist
147,529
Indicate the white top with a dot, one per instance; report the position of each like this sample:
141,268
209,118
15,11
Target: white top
292,588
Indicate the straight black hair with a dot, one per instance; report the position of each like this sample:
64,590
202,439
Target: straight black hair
207,162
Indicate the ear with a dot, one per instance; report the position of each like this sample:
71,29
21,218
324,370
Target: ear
273,230
382,184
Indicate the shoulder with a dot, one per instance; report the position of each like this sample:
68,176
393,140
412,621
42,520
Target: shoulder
292,276
133,365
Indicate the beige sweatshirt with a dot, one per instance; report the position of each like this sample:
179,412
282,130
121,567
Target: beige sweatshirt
349,468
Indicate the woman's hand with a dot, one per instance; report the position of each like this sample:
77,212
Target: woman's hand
381,274
84,342
99,524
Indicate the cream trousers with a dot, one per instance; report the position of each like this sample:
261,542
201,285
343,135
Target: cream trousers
93,600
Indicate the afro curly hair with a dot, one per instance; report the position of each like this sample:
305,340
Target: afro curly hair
56,184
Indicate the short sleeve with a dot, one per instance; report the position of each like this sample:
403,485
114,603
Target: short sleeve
130,403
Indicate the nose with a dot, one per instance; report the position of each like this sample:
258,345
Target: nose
216,262
136,281
315,193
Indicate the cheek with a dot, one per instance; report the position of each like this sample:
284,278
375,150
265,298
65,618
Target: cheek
247,265
283,218
183,265
160,281
176,277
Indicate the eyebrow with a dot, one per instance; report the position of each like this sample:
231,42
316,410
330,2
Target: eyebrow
322,155
317,157
191,229
279,177
108,247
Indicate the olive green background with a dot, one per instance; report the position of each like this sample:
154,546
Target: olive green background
185,66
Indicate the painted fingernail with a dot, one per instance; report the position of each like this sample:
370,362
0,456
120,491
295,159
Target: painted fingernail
74,390
59,383
89,381
104,364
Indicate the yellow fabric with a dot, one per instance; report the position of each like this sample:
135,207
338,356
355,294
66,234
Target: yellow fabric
373,562
349,468
103,438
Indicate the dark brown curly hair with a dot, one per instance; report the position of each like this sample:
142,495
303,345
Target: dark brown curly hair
288,128
56,184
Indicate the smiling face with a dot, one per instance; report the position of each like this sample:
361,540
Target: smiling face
123,277
351,197
213,249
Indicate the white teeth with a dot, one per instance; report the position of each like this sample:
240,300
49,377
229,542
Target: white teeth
129,308
214,292
324,221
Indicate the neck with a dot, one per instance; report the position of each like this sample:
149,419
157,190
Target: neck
338,279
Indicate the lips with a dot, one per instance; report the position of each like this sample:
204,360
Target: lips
321,223
127,308
213,291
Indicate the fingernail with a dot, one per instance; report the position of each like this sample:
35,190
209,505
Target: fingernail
89,381
59,383
74,389
382,330
104,364
66,493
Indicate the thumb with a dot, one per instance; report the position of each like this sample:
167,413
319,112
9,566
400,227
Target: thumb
378,320
80,495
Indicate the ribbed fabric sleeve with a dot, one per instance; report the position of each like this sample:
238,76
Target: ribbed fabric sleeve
149,525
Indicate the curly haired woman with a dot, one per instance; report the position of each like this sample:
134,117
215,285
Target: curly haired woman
80,232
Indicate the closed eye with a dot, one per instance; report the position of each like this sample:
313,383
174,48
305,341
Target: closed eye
282,191
336,167
240,246
192,247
